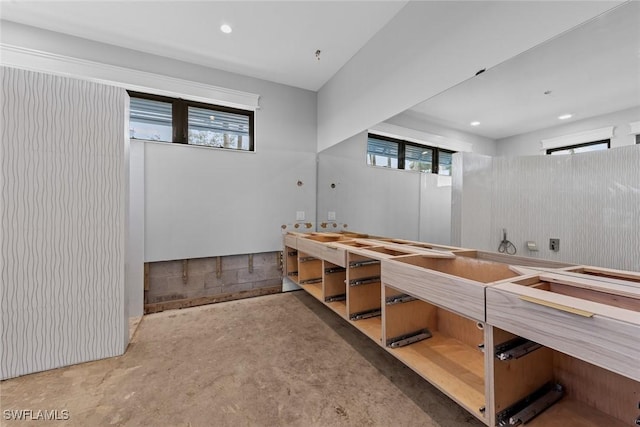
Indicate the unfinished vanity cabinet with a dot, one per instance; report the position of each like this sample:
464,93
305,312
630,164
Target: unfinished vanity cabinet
577,334
538,386
593,320
441,346
452,282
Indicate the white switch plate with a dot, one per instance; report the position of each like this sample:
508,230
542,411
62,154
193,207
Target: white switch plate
331,216
300,216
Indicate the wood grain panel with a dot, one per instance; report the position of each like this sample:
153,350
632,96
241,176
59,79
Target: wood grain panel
454,293
608,339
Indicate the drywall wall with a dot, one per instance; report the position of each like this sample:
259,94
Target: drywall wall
63,225
429,47
590,201
381,201
202,202
471,200
135,252
435,209
529,143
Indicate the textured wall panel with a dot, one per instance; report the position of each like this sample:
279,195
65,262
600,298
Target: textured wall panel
63,188
590,201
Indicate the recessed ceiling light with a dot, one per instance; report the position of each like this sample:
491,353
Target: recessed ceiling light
225,28
565,116
475,123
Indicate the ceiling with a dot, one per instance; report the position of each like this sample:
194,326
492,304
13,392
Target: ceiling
591,70
271,40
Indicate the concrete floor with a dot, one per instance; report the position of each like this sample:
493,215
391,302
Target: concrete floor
282,359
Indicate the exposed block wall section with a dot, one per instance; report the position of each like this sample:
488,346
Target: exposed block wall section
237,273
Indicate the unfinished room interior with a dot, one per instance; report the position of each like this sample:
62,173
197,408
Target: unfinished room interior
320,213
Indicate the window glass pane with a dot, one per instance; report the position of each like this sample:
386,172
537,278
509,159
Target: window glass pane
638,139
444,163
218,129
150,120
382,153
583,149
418,158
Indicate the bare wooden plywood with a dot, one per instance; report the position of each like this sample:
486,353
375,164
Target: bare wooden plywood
371,327
363,298
598,388
571,413
406,318
458,327
333,279
453,367
315,289
515,379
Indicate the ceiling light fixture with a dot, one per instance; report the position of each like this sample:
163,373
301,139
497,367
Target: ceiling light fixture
475,123
565,116
225,28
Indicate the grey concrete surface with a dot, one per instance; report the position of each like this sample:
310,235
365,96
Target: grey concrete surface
278,360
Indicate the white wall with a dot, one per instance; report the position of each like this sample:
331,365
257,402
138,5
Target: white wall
135,257
63,223
419,54
381,201
203,202
529,143
590,201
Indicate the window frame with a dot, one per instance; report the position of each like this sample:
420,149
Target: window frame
402,144
584,144
180,118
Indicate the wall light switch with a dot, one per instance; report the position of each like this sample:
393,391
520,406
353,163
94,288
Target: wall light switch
300,216
554,244
331,216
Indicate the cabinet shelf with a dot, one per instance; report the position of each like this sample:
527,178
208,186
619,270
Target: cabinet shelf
451,366
572,413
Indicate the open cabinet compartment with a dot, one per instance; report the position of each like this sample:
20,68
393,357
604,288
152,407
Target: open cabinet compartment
335,291
364,294
593,320
455,283
592,396
451,359
310,274
290,257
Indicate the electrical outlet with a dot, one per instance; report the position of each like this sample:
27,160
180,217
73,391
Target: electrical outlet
331,216
300,216
554,245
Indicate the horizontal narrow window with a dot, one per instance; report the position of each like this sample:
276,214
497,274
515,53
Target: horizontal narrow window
418,158
581,148
444,162
150,120
383,153
398,154
159,118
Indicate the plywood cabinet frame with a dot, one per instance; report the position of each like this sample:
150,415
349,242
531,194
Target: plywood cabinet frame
484,304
